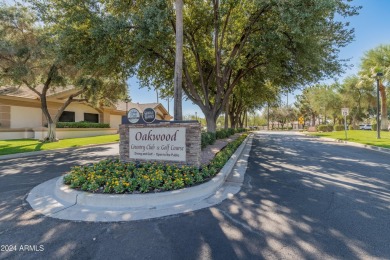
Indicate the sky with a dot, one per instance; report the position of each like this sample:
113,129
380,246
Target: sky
372,28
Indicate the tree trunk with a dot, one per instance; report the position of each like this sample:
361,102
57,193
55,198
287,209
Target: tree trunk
246,119
51,132
178,111
227,115
384,119
313,120
232,120
211,124
241,121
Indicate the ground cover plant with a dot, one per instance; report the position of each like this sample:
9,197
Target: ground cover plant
360,136
114,176
31,145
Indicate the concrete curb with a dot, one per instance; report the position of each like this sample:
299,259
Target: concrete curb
366,146
61,150
54,199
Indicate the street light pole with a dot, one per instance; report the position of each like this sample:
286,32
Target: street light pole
127,100
378,122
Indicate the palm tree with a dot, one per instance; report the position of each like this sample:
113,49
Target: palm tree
373,61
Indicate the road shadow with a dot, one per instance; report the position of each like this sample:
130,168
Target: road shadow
309,199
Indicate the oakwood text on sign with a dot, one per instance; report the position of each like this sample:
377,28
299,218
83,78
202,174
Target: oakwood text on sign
167,144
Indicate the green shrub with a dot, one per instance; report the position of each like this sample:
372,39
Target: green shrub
221,134
322,128
231,131
339,127
374,126
207,138
351,127
240,130
81,125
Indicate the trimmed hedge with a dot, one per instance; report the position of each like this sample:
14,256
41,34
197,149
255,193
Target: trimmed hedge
325,128
81,125
339,127
208,138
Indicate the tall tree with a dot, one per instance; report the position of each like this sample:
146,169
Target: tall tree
224,42
305,105
289,41
319,100
374,61
249,96
31,56
178,81
357,95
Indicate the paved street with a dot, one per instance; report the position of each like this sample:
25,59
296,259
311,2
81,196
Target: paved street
301,198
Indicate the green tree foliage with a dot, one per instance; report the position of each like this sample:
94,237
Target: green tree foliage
374,61
286,42
247,97
305,105
283,115
32,56
357,94
225,44
319,100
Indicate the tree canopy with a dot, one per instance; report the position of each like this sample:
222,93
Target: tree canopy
225,44
33,55
374,61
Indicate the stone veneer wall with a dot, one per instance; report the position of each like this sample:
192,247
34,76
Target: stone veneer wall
193,141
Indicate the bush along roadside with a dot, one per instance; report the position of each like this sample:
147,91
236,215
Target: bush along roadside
114,176
209,138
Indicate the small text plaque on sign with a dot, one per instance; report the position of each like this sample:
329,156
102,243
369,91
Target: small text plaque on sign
133,115
164,144
149,115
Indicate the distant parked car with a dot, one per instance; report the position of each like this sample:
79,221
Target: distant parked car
365,127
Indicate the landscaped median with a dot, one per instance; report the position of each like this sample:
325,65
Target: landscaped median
167,189
114,176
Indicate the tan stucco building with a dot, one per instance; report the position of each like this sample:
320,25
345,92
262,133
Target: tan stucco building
21,115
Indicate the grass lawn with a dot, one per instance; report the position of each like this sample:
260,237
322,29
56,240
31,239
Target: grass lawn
360,136
30,145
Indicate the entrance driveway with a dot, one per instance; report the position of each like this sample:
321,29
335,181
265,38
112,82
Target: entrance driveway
301,198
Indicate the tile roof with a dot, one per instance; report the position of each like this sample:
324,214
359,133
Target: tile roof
24,92
121,106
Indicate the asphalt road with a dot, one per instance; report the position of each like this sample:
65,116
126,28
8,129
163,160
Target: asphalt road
301,199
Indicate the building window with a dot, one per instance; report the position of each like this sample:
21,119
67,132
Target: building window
93,118
67,116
